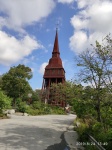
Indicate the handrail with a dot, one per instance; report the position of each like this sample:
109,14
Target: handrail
96,143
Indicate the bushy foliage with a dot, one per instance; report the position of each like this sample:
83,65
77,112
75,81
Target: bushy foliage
5,102
38,108
21,106
15,82
85,110
58,110
33,112
95,129
37,105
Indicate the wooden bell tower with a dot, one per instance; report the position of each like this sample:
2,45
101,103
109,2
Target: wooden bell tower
54,71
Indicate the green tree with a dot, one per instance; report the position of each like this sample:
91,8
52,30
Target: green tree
66,92
0,81
96,70
15,81
56,93
5,102
73,90
36,95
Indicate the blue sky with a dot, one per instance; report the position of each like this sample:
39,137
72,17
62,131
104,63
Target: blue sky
27,32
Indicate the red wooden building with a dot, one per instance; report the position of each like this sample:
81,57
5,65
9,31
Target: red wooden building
54,73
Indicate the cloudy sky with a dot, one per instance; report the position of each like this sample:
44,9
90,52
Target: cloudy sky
27,32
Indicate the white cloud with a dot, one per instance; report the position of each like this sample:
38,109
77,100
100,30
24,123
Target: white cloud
84,3
13,50
78,22
19,13
28,60
15,15
78,41
66,1
101,17
92,22
42,68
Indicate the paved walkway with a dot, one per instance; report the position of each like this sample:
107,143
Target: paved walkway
48,132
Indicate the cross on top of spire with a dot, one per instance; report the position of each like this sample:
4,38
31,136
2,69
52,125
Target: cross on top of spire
57,25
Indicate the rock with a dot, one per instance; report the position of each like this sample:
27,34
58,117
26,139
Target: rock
11,111
5,112
25,114
71,127
77,124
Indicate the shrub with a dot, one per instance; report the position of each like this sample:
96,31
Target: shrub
5,102
82,129
42,109
57,110
95,129
47,110
21,106
37,105
32,111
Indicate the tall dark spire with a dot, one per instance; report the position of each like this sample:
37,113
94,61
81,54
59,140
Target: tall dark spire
54,73
56,46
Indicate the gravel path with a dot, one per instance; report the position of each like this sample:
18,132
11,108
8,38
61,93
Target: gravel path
48,132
